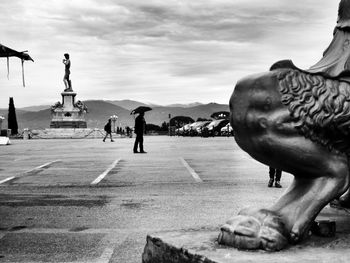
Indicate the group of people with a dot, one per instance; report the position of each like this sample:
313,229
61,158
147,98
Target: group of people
140,129
140,125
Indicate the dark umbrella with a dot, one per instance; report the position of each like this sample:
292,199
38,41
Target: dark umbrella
8,52
140,109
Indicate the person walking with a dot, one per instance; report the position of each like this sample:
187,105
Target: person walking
108,130
275,176
140,126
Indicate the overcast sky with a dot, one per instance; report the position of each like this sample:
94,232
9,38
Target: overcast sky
158,51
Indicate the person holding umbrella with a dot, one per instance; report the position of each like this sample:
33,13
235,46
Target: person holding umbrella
140,128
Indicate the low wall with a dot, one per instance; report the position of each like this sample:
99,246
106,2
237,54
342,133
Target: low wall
66,133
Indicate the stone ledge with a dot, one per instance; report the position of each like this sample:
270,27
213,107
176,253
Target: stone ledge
67,133
200,246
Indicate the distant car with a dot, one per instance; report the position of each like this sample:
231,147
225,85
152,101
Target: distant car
214,128
202,129
227,130
186,129
183,131
193,127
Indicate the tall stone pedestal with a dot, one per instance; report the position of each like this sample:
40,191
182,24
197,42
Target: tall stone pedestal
68,114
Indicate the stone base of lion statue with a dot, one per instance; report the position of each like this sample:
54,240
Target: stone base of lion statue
202,246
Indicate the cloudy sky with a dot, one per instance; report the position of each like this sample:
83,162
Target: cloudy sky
158,51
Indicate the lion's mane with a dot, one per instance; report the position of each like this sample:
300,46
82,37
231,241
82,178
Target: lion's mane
320,108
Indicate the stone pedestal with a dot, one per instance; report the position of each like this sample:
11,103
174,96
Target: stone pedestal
68,114
200,246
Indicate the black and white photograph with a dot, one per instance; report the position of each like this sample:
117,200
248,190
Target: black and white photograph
174,131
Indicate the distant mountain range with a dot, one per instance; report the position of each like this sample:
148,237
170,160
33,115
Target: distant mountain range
126,104
39,117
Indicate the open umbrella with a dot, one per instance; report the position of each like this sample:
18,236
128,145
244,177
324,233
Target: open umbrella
8,52
140,109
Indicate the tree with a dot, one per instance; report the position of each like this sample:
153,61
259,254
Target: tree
203,119
12,119
152,127
180,121
164,126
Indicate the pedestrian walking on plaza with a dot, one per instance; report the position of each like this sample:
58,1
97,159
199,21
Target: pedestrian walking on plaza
108,130
140,128
275,176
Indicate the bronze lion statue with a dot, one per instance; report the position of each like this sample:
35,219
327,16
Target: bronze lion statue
297,121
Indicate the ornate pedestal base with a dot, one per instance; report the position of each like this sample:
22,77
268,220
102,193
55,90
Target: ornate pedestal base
68,124
68,114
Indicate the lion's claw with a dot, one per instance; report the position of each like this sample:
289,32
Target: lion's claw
263,229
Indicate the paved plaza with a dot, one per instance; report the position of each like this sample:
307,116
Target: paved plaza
82,200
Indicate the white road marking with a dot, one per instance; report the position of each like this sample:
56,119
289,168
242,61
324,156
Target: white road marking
192,172
38,168
7,179
101,176
106,255
30,172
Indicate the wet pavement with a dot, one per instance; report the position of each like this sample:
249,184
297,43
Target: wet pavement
88,201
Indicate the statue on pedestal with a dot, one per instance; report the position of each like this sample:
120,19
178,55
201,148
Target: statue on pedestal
297,121
67,82
70,113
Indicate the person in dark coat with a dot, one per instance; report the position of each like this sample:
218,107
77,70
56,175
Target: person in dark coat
140,126
275,176
108,130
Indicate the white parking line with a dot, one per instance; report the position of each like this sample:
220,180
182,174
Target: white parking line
101,176
192,172
46,165
7,179
30,172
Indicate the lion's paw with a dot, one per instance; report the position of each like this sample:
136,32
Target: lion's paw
259,229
